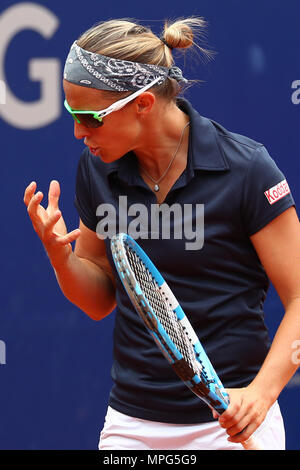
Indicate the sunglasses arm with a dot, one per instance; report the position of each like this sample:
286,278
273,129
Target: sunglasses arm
121,103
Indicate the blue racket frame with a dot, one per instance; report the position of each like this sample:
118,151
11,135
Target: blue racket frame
206,383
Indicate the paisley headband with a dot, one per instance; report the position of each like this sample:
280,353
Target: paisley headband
105,73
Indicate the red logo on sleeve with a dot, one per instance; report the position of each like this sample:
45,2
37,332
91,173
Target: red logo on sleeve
277,192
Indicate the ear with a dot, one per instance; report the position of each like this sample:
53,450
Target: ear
145,102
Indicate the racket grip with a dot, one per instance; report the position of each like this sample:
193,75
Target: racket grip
252,444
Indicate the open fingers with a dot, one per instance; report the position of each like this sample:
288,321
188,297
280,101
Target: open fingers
33,206
68,238
53,195
61,239
50,223
29,192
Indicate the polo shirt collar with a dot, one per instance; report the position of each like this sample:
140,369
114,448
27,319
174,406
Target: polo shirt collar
205,153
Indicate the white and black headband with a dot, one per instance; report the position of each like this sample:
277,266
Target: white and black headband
105,73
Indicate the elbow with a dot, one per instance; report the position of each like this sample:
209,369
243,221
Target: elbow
99,314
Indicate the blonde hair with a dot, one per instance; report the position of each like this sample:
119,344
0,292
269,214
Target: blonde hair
125,39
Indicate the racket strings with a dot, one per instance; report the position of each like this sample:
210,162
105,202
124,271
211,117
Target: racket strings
162,309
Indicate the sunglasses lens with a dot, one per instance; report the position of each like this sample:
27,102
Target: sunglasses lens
88,120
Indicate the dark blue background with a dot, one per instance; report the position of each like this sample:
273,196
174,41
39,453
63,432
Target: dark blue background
55,383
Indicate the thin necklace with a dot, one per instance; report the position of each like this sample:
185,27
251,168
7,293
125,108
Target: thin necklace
156,182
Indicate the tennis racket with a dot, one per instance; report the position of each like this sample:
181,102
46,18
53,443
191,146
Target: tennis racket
168,324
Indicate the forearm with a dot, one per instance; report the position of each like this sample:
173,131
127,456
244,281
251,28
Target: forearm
282,360
86,285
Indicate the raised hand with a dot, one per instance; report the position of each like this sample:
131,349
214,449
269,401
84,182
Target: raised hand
48,223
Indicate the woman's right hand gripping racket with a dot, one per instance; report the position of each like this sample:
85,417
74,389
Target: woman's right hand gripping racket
168,325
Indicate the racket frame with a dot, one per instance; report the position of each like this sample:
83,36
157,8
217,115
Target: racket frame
215,395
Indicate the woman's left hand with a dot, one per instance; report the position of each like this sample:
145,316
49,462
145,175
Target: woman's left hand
247,410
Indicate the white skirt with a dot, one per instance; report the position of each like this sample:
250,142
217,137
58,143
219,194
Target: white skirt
122,432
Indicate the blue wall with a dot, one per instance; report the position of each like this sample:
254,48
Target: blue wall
56,379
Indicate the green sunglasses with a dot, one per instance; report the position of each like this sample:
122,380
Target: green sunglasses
86,118
94,119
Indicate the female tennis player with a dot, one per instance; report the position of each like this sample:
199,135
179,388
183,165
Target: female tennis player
224,226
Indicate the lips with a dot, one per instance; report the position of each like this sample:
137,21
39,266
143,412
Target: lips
93,150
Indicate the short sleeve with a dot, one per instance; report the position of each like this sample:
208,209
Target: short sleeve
83,198
266,193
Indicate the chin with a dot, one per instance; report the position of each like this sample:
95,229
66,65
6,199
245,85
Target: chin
108,158
105,158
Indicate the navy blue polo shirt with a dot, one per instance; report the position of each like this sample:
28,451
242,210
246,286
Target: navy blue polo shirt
235,188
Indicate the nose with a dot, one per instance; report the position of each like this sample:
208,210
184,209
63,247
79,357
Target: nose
80,131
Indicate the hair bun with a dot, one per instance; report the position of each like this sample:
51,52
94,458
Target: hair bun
178,35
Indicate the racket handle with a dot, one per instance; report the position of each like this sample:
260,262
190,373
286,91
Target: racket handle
252,444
